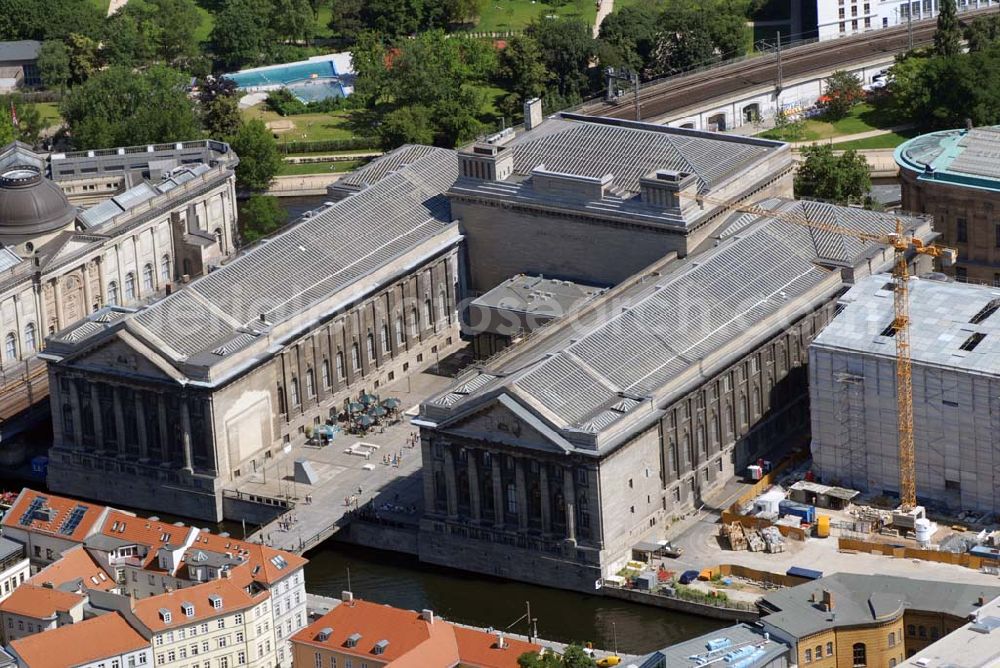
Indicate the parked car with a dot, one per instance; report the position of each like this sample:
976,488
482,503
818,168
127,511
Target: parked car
687,577
671,550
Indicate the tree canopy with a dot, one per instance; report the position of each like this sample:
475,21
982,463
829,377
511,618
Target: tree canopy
53,64
260,215
843,179
258,153
120,107
145,31
948,36
843,91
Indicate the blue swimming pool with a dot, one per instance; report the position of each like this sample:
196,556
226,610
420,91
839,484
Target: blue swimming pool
313,90
284,74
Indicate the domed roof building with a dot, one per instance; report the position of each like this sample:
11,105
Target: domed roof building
32,208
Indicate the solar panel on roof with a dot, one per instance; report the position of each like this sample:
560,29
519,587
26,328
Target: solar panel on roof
29,515
73,520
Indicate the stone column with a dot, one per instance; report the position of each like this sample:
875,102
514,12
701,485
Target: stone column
119,421
450,484
74,401
140,427
58,297
88,295
497,491
543,488
56,409
95,407
186,434
161,410
426,451
522,494
474,486
569,496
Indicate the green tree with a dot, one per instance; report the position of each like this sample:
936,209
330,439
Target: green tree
628,37
258,154
293,20
686,39
521,71
369,58
242,34
53,64
345,20
119,107
148,30
787,129
823,175
49,19
411,124
6,127
948,36
567,47
84,58
843,91
29,119
393,18
572,657
259,216
220,107
982,32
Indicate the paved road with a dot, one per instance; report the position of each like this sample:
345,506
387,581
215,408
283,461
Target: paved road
604,7
679,92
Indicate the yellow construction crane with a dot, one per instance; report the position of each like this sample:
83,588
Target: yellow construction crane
902,243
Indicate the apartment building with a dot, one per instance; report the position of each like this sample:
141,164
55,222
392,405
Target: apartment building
359,634
14,566
107,641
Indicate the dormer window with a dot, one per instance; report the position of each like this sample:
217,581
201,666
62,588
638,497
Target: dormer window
352,640
380,647
188,609
216,601
165,615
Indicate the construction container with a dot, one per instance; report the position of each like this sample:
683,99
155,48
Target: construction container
645,581
754,472
807,513
823,526
807,573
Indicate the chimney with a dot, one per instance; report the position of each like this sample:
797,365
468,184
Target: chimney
827,600
486,162
427,615
501,643
532,113
982,601
346,596
669,189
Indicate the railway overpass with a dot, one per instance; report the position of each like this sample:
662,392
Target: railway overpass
733,93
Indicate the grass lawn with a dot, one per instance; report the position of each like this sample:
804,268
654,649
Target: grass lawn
289,169
205,27
323,21
891,140
308,127
863,118
501,15
49,112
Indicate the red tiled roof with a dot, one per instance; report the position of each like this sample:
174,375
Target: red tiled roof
102,637
30,600
478,649
75,564
233,597
412,641
54,515
154,534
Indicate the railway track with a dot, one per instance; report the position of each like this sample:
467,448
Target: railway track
659,98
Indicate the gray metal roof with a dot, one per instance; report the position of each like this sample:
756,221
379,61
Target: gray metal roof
381,167
941,313
739,642
652,335
140,194
975,645
312,260
17,51
595,147
863,599
9,548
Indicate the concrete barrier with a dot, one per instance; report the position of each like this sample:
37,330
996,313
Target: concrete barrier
297,186
956,559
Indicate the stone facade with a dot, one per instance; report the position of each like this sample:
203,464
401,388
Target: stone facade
499,501
126,259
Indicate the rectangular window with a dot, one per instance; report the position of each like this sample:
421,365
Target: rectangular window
962,230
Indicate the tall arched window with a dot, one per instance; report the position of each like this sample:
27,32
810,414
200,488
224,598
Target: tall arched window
428,314
112,293
340,366
860,654
165,268
310,384
355,357
147,278
442,304
30,342
295,391
511,498
129,286
414,322
370,340
385,339
400,332
325,373
187,266
218,236
10,347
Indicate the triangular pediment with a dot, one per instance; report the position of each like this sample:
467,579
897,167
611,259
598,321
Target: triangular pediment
503,419
125,355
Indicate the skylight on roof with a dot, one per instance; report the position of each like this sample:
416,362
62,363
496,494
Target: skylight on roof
986,312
